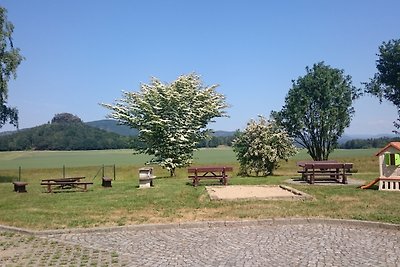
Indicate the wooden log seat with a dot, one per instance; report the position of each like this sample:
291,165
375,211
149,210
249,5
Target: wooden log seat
106,182
20,187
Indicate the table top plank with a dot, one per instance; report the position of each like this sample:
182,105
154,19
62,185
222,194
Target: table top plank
210,169
328,165
65,179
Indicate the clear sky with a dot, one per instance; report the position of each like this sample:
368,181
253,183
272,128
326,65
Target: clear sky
83,52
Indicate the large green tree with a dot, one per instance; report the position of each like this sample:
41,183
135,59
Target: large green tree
261,147
386,82
318,108
171,118
10,59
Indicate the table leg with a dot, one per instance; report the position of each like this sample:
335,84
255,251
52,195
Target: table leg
224,177
312,177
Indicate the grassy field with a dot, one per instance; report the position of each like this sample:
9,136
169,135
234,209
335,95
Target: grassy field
173,199
57,159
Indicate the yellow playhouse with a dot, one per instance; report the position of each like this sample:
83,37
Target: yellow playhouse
389,168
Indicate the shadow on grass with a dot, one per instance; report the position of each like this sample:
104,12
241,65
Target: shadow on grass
163,177
205,182
8,179
373,188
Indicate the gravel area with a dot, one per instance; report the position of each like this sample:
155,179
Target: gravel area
237,192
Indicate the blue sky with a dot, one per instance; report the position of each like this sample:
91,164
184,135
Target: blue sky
81,53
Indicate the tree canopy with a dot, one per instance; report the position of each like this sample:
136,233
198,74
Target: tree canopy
171,118
318,108
10,59
386,82
261,146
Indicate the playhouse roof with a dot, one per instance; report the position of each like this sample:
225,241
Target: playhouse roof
395,145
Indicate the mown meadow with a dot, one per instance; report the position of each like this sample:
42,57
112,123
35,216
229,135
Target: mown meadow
173,199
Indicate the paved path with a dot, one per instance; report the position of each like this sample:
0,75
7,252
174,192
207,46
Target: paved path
301,243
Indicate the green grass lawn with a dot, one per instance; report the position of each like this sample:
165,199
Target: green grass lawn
173,199
57,159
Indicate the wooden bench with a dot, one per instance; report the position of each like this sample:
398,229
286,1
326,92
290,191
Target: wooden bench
20,187
209,172
65,183
106,182
326,171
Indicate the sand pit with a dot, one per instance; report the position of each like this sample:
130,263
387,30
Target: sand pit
236,192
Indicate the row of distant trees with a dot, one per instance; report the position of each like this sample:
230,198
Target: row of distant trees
368,143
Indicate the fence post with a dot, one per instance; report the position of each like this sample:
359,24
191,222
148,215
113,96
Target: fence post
103,171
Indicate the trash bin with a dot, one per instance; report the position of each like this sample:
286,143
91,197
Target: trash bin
146,177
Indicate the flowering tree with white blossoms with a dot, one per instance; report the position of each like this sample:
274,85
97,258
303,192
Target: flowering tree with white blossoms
171,118
261,146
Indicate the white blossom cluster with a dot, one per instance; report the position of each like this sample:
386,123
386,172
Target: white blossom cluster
261,146
171,118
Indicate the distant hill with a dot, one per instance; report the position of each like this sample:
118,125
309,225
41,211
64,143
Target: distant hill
63,136
113,127
224,133
217,138
107,134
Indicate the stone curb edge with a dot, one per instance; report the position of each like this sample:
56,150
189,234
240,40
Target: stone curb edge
208,224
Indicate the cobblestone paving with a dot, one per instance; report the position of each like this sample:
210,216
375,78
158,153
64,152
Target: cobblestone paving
308,244
27,250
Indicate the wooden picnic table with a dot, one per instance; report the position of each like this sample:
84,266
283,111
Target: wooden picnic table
209,172
324,170
65,183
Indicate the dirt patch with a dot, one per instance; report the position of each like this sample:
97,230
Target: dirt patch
235,192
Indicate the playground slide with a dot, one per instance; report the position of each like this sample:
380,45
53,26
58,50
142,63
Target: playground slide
370,184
